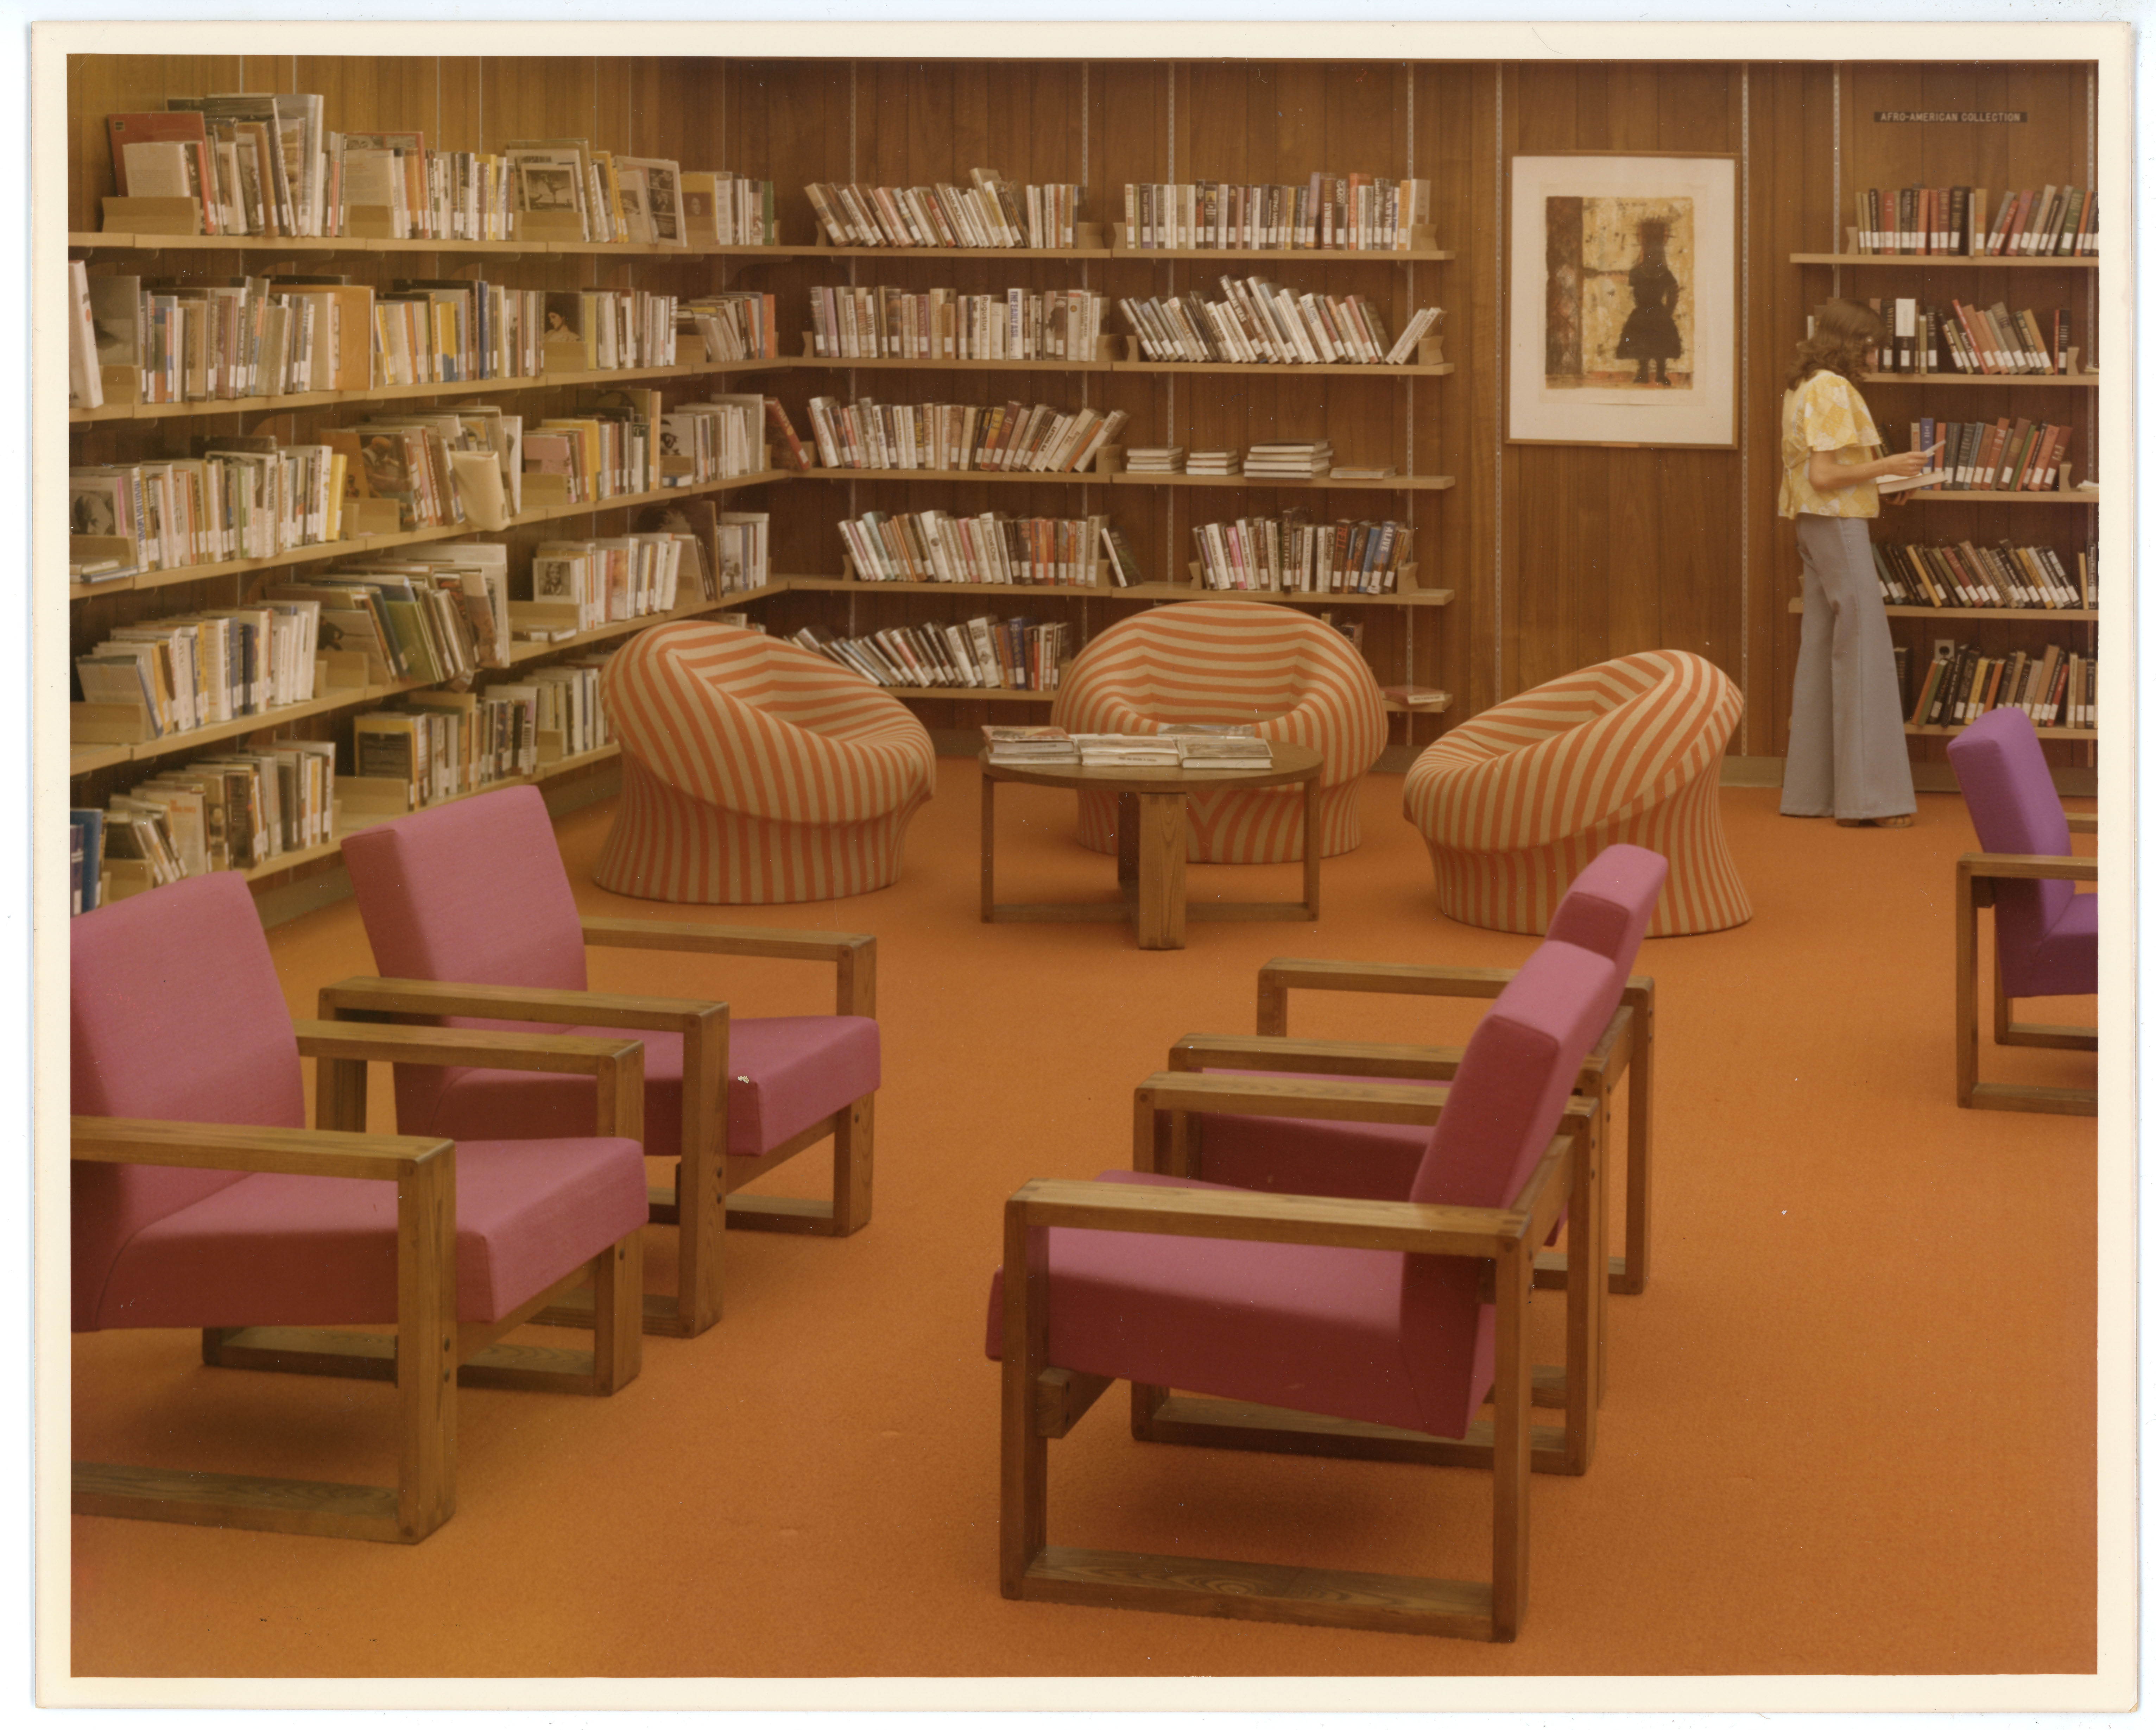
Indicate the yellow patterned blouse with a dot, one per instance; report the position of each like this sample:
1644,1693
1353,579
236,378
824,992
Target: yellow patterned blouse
1826,413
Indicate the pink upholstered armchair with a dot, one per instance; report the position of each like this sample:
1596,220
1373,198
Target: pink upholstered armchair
1607,909
200,1200
469,914
1313,1324
2043,934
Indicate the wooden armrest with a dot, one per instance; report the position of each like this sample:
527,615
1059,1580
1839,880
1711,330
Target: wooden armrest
2072,869
475,1047
1291,1096
511,1002
1280,975
853,952
251,1147
1344,1057
1252,1216
2080,822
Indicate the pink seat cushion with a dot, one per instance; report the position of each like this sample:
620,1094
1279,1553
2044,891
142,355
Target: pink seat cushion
1305,1326
322,1251
784,1073
1312,1156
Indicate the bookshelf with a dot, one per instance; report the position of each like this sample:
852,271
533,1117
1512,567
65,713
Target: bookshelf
2048,151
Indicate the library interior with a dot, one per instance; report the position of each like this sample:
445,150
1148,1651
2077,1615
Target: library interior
699,686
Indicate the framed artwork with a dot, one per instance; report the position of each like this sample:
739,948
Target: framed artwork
1623,300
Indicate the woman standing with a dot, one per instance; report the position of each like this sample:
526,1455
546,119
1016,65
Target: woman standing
1848,757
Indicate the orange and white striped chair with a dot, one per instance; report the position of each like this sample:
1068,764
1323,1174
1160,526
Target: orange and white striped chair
1234,660
754,772
1516,801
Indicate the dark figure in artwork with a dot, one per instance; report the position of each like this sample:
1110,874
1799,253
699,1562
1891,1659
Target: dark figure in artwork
1650,336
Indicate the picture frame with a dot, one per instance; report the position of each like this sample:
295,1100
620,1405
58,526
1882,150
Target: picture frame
1621,299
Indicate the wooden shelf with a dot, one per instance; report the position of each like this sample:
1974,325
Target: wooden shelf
1084,477
1321,483
1940,495
1294,254
2085,381
408,393
318,551
1945,260
87,759
522,654
2070,615
81,241
1085,591
343,697
1075,252
1914,731
828,362
991,592
1443,701
1292,369
1294,597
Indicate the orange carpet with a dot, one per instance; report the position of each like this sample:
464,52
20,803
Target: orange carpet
1849,1429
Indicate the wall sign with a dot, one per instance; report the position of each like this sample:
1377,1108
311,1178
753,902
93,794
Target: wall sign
1966,116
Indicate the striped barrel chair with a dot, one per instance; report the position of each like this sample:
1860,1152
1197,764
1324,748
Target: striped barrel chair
754,772
1227,661
1514,802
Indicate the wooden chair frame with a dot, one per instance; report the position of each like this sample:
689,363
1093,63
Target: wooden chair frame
431,1353
1041,1403
1974,875
1626,1047
1162,1141
706,1177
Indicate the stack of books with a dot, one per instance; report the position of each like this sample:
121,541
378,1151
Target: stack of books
1214,462
1153,459
1125,750
1289,463
1238,748
1029,746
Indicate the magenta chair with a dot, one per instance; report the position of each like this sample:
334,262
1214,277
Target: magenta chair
469,914
1607,910
201,1200
1290,1322
2043,934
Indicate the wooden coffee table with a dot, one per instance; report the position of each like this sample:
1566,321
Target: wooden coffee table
1150,842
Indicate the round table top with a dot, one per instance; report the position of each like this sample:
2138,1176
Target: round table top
1290,763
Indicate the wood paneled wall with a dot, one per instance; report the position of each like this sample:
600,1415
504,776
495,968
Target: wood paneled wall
1559,556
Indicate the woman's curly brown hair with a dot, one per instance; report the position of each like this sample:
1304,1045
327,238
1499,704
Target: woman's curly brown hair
1844,334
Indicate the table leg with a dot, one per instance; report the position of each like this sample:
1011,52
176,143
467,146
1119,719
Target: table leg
1161,848
988,847
1309,845
1127,843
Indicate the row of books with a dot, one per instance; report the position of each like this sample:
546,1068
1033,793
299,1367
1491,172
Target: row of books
1961,337
982,654
936,547
887,322
618,577
714,439
999,438
1963,574
1355,213
238,497
1291,553
172,341
436,745
2056,687
199,669
230,812
988,214
263,164
1258,323
2008,455
436,614
2046,222
733,325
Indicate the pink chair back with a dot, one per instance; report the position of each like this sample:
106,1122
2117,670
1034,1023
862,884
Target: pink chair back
174,1011
2000,763
474,891
1506,1099
1611,904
